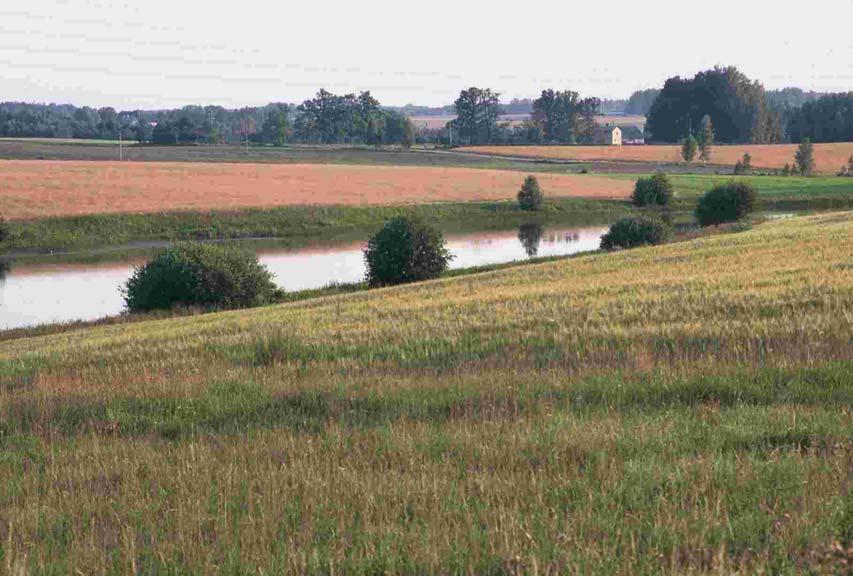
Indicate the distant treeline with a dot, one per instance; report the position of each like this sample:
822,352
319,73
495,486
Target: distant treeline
739,109
327,118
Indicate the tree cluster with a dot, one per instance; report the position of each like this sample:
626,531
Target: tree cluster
736,104
332,119
477,113
827,119
565,118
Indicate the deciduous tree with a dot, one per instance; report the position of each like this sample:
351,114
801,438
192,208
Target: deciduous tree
706,138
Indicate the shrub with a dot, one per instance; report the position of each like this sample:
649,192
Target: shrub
804,158
530,196
744,166
5,232
655,191
688,148
847,169
195,274
726,203
405,250
633,232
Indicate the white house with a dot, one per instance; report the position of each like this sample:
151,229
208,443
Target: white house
608,135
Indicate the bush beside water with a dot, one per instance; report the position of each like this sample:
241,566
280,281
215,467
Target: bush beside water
530,196
405,250
196,274
654,191
728,202
635,231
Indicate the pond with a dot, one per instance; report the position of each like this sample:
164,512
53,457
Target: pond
33,294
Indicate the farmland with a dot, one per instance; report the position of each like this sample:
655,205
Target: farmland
41,189
683,407
829,158
51,203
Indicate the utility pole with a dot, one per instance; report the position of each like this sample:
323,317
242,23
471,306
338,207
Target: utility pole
120,147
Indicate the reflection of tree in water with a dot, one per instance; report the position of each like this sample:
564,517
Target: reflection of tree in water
566,237
5,267
530,235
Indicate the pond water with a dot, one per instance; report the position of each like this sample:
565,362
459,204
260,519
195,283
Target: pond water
40,294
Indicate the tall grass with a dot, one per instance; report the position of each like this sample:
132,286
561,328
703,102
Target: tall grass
678,409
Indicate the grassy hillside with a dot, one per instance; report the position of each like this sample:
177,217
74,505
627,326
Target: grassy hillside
681,408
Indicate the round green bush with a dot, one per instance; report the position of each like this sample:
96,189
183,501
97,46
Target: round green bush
5,232
728,202
530,196
654,191
633,232
405,250
195,274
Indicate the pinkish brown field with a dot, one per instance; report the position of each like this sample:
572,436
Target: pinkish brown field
829,158
39,189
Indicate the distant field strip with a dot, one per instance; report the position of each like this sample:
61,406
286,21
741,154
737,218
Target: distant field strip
37,189
439,122
829,158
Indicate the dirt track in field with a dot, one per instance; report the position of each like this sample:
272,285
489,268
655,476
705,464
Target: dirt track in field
39,189
829,158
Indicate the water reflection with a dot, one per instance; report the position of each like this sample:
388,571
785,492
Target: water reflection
530,235
38,294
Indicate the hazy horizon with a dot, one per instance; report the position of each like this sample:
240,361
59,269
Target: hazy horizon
165,55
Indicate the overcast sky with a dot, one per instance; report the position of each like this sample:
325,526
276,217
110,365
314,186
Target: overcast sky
158,53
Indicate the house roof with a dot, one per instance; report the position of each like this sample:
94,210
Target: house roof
608,128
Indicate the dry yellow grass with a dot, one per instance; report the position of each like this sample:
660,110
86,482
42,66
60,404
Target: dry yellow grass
683,409
38,189
829,158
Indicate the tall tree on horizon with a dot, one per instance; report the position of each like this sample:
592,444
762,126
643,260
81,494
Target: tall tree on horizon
477,112
588,109
557,113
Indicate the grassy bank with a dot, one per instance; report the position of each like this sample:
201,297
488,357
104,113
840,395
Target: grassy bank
775,192
291,224
675,409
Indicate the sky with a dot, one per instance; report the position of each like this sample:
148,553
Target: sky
162,54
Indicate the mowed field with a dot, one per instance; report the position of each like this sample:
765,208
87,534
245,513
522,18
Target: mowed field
680,409
38,189
829,158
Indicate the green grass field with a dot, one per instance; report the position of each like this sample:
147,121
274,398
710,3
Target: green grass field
678,409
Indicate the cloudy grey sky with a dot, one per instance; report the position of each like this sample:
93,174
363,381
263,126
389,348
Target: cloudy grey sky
160,53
